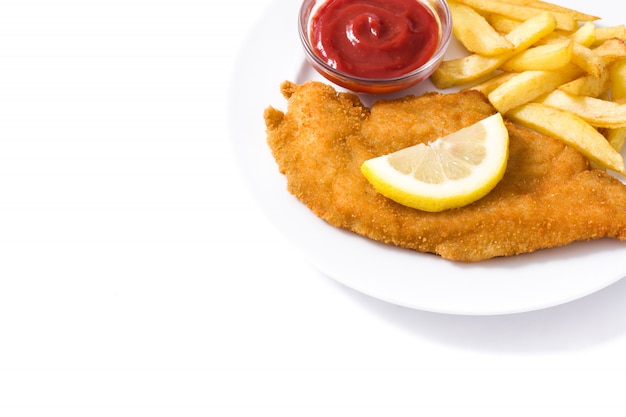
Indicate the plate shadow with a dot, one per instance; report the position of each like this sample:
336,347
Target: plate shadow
584,323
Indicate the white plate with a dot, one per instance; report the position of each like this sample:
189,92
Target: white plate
546,278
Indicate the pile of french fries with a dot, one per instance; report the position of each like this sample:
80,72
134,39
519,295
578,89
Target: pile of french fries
546,67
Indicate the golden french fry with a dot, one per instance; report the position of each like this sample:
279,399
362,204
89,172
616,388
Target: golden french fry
527,86
611,50
617,75
563,21
570,129
463,70
596,86
542,5
616,138
475,33
547,57
588,85
592,61
588,60
531,30
470,68
611,32
492,83
501,23
586,35
596,112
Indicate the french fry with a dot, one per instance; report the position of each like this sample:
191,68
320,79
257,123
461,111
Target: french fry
611,32
527,86
617,76
501,23
596,112
563,21
463,70
586,35
492,83
475,33
588,60
530,31
616,138
547,57
611,50
588,85
571,130
593,85
542,5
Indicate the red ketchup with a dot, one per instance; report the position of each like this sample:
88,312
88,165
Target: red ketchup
374,38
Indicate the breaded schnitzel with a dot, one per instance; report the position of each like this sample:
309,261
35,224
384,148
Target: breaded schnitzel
548,197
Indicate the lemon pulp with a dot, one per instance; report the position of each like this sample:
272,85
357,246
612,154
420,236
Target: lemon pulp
450,172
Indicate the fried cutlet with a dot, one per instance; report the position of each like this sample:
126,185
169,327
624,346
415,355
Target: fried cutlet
548,197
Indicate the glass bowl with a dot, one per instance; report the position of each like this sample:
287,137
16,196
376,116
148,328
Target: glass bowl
439,9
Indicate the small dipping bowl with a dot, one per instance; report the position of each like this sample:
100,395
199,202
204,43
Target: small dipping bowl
441,13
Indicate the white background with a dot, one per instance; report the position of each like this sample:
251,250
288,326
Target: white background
139,278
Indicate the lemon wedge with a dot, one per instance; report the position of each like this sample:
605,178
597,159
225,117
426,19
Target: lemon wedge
450,172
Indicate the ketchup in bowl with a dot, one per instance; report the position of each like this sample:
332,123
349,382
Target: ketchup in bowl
374,38
375,45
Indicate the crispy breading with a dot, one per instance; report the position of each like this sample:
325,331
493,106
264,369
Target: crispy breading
548,197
